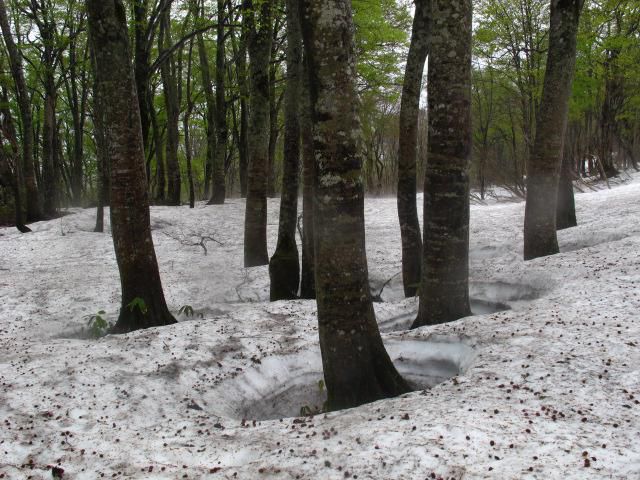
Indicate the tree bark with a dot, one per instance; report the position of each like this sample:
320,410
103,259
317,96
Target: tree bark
566,207
169,85
143,304
259,46
407,146
32,199
444,294
205,73
186,121
543,167
284,267
308,275
219,187
357,368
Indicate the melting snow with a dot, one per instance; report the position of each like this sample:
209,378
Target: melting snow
543,382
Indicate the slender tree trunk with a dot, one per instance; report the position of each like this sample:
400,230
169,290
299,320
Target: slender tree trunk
169,84
357,368
161,177
308,276
49,170
259,46
143,304
566,207
408,149
543,167
8,130
210,99
284,267
187,127
142,64
219,188
32,198
243,147
444,294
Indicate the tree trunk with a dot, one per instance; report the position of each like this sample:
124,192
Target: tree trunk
219,188
161,177
566,207
32,199
49,170
8,130
408,142
543,167
357,368
142,66
243,146
284,267
143,304
205,73
187,126
444,294
259,46
308,276
172,107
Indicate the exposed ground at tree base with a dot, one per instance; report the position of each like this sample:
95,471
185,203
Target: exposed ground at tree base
549,388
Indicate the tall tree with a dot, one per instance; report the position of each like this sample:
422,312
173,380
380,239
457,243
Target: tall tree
284,267
32,199
259,20
219,189
308,273
444,294
143,304
169,77
544,164
357,368
408,149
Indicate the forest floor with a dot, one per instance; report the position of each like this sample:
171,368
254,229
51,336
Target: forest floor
548,388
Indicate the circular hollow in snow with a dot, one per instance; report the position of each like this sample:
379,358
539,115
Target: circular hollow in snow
292,386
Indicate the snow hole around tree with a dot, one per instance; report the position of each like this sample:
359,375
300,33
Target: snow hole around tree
292,385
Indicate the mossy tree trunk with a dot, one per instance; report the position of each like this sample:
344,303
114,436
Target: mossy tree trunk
130,223
284,267
444,293
259,19
544,164
357,368
408,150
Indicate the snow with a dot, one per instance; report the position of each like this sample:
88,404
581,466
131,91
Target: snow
543,382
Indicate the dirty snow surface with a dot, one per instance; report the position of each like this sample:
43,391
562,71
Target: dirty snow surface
542,382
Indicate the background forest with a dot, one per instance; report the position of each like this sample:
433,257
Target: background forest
191,68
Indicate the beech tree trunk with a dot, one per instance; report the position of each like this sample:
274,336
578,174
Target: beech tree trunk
219,188
32,199
357,368
259,46
49,139
566,207
308,275
207,86
544,164
143,304
444,294
284,267
408,150
8,130
243,147
172,106
186,122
